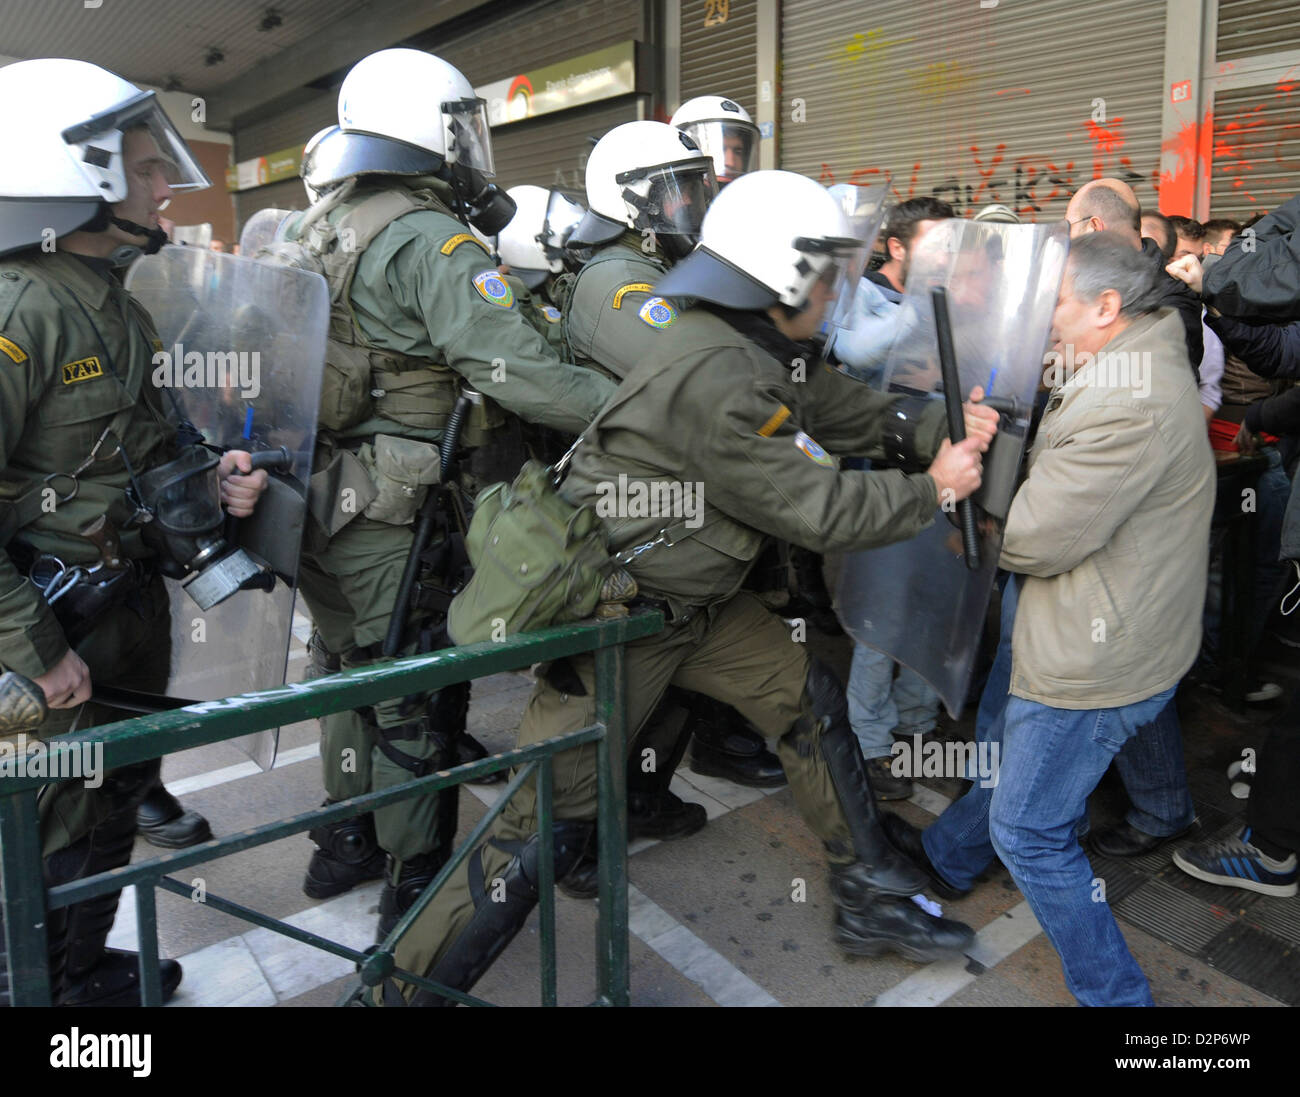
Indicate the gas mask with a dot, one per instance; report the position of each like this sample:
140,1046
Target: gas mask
192,534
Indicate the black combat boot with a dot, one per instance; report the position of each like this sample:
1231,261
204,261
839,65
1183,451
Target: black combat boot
165,823
726,745
868,923
83,972
347,854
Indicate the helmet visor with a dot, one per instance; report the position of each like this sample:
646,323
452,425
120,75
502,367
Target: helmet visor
864,207
732,146
469,141
676,199
166,151
563,215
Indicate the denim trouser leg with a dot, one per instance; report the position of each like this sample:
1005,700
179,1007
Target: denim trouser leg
1155,777
1274,491
872,712
917,704
1052,760
957,843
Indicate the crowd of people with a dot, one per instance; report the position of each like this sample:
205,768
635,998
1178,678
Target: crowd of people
659,332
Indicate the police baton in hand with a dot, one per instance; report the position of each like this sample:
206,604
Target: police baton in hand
956,416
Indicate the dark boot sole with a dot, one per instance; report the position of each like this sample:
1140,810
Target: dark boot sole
708,768
327,889
875,946
160,838
683,830
126,996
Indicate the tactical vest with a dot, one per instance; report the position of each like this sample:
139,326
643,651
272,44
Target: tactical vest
567,284
362,380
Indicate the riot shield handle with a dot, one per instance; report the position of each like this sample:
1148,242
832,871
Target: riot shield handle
956,416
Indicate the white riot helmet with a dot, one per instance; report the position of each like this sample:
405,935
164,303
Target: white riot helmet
532,245
407,112
411,98
723,130
62,130
768,238
646,176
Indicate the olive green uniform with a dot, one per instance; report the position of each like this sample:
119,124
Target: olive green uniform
713,409
427,313
613,318
75,359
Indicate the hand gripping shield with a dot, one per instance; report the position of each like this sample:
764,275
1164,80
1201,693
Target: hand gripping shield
243,352
919,601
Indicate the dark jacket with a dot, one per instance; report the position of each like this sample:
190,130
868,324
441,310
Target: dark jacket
1278,415
1263,283
1173,294
1271,350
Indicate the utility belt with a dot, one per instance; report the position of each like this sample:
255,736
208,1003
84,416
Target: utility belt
82,594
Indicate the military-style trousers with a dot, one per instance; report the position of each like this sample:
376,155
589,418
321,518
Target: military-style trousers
351,588
739,653
129,647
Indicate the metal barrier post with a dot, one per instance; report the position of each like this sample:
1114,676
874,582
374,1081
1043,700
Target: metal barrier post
611,758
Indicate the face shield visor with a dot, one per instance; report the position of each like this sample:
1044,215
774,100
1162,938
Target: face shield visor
100,137
864,208
468,139
731,145
671,199
562,217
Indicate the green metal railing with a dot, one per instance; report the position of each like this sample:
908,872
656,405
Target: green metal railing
27,900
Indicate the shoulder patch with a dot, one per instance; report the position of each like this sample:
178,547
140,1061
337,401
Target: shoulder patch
551,313
631,287
657,312
493,289
460,238
84,369
13,351
778,417
813,451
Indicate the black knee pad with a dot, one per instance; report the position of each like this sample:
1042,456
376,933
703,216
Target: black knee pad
351,841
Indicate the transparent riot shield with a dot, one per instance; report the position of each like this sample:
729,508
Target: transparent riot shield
918,601
261,229
243,351
196,236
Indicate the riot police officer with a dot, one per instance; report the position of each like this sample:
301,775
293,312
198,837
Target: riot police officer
422,323
91,161
723,130
721,405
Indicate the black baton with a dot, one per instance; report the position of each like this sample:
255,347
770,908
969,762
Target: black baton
956,417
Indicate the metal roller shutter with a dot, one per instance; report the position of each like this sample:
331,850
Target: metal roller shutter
973,105
287,194
1251,27
720,57
551,151
287,127
552,147
1256,151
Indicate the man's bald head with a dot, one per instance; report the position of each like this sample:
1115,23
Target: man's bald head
1106,205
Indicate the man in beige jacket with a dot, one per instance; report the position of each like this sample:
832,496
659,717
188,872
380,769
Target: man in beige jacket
1107,541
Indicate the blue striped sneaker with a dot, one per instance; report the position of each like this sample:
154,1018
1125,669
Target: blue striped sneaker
1234,862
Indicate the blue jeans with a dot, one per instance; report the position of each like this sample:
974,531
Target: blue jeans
1051,760
881,705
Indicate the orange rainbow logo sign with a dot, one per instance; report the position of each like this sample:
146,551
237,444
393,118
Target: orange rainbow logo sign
523,87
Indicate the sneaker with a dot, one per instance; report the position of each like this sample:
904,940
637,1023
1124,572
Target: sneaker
1234,862
880,772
